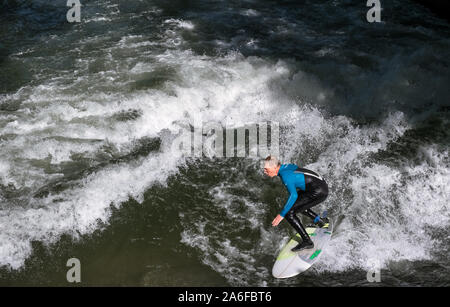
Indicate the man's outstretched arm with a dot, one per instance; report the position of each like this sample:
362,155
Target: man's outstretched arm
291,200
289,203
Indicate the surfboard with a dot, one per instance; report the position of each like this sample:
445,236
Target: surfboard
289,263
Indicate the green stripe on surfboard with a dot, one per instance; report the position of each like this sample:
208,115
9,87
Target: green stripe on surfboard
316,253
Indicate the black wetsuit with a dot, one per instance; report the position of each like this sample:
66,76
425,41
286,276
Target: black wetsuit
307,189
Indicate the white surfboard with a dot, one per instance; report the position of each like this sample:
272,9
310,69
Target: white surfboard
289,263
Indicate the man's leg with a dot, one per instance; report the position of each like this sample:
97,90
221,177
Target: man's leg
312,215
294,221
309,213
318,193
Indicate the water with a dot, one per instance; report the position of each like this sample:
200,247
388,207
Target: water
88,112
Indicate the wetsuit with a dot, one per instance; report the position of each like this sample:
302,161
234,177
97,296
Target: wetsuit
306,189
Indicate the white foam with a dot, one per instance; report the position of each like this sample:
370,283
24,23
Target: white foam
81,208
250,13
96,19
225,90
387,210
4,170
388,215
180,23
384,209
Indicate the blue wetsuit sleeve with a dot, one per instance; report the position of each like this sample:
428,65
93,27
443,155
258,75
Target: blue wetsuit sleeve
291,200
290,167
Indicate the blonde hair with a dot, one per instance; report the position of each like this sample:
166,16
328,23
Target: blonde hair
272,161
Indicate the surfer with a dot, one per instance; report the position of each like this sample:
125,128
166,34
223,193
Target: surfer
306,189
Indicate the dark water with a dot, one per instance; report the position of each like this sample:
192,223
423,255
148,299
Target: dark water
88,112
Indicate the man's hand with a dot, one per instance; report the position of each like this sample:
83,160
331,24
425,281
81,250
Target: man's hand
277,220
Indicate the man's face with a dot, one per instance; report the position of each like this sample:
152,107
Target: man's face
270,170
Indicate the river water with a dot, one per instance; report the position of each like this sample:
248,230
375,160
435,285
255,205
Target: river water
88,112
